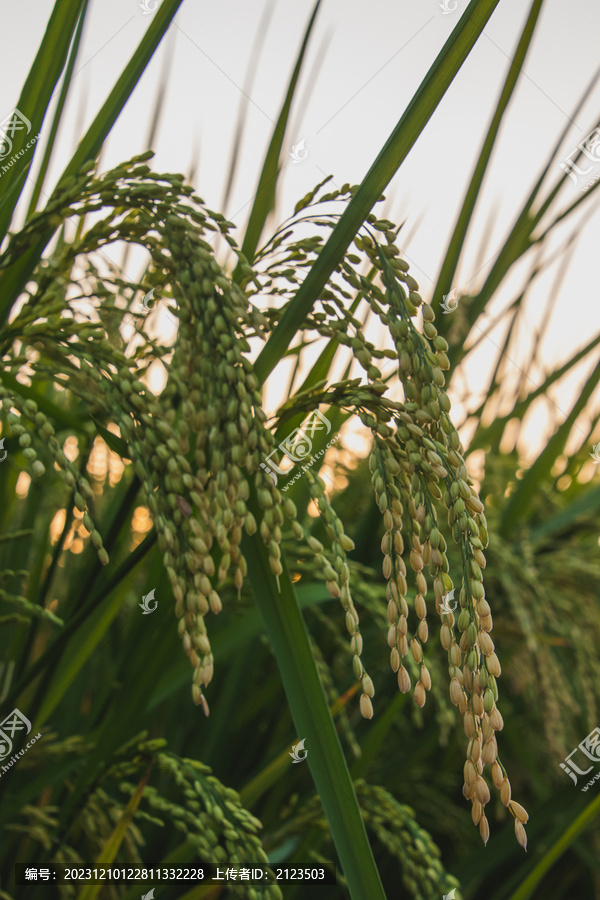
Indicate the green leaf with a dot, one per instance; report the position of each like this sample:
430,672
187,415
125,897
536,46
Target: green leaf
58,113
491,434
36,96
396,149
15,278
111,848
449,266
265,192
114,442
521,237
520,500
289,638
586,505
585,818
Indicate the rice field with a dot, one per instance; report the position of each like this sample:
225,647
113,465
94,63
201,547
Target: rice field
343,647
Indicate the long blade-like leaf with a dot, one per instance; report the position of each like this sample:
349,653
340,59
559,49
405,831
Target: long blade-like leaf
35,98
309,709
16,277
493,432
265,193
111,848
520,238
457,240
411,124
58,113
520,500
526,889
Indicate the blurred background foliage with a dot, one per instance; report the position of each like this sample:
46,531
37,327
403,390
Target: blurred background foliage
109,688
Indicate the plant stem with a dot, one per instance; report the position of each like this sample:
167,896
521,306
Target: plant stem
289,639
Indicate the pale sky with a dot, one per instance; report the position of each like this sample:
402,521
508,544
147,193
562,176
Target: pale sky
368,60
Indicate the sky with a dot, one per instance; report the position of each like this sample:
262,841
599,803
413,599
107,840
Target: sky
364,63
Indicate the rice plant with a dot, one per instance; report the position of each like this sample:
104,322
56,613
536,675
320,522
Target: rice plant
114,491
